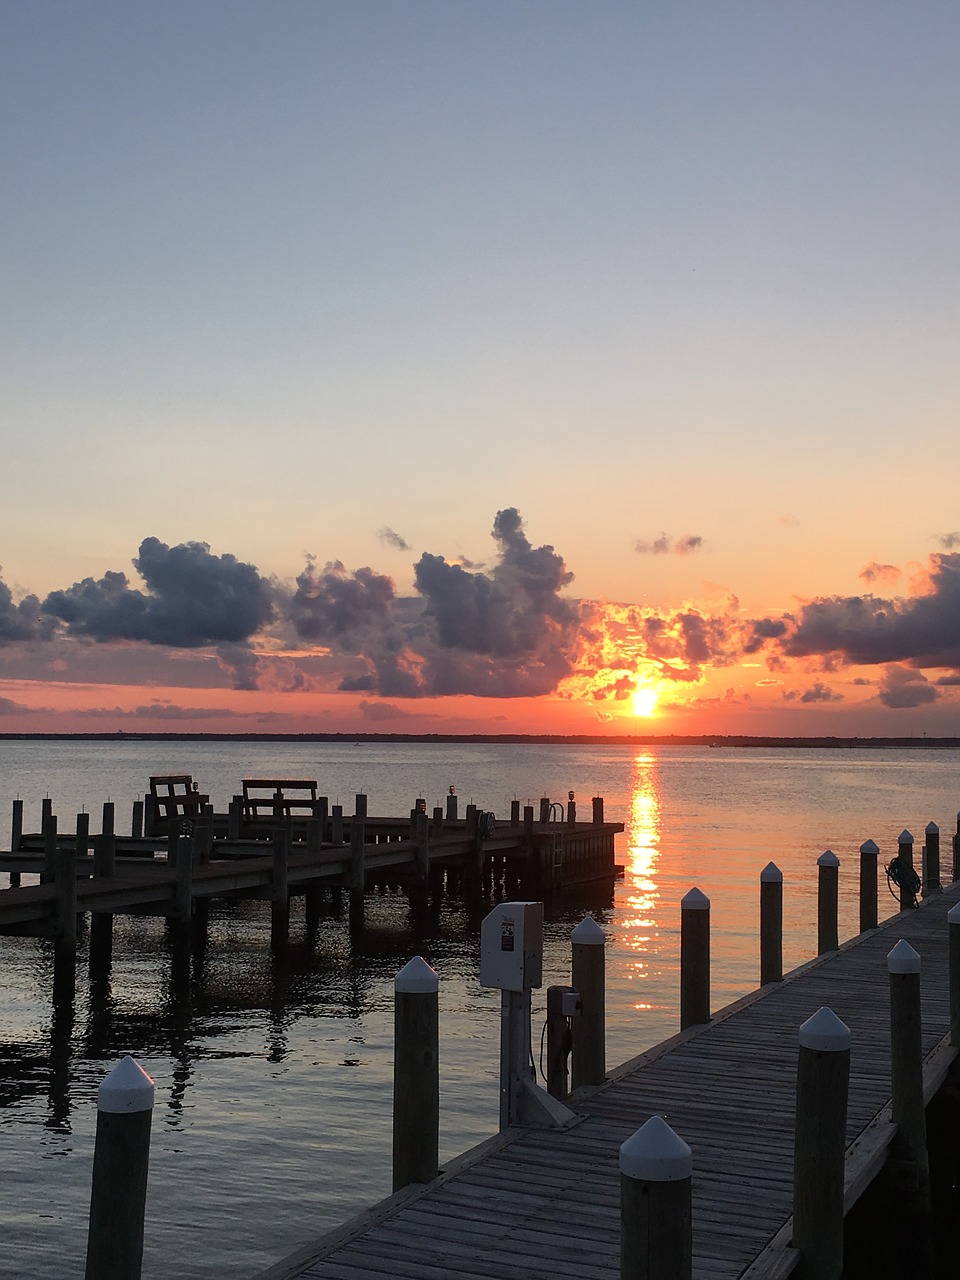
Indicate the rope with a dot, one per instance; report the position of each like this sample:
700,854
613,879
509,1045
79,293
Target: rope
906,880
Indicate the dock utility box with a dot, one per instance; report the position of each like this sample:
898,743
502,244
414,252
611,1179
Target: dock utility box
511,946
171,795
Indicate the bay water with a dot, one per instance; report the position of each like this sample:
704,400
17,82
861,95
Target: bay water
274,1075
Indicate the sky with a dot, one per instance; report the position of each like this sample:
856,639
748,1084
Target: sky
517,367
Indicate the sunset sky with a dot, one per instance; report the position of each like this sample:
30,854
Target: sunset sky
506,367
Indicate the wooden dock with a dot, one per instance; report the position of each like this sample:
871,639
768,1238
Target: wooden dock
537,1204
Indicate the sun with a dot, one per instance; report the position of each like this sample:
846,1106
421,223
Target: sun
644,701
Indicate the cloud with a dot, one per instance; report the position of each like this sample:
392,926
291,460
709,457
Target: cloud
901,687
157,711
950,541
820,692
868,630
385,711
874,572
948,682
334,606
391,539
10,708
666,545
21,621
192,599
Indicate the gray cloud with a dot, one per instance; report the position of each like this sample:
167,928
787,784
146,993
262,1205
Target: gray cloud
10,708
391,539
21,621
950,541
820,692
874,572
192,599
665,545
333,605
901,687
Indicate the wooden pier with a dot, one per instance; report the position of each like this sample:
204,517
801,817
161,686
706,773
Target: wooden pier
536,1204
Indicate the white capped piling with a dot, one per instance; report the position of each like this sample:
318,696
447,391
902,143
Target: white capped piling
656,1219
120,1161
931,861
869,852
416,1074
588,1063
771,924
823,1076
953,932
828,894
906,1059
694,959
905,875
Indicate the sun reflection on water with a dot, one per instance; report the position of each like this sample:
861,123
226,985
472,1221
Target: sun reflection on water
641,928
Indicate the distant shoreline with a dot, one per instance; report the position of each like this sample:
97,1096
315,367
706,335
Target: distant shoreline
532,739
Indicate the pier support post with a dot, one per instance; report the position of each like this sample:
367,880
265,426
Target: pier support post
279,888
823,1075
694,959
104,864
908,1110
416,1074
588,1063
234,817
828,902
321,810
571,809
49,830
597,811
771,924
931,861
559,1040
473,868
451,805
65,929
869,852
136,820
544,809
953,931
120,1161
906,877
16,835
181,843
336,824
357,876
656,1219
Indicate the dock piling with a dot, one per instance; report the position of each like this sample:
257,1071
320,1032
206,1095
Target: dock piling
906,876
279,888
771,924
656,1218
694,959
906,1056
136,820
823,1075
16,835
828,902
588,1063
931,861
953,933
416,1074
869,852
120,1161
357,874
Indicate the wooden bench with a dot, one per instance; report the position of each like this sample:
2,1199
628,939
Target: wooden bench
172,795
265,799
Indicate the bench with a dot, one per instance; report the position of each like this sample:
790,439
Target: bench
172,795
265,799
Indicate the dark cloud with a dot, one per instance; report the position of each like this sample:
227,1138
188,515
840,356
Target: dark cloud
192,598
157,711
10,708
385,711
391,539
923,630
948,682
950,541
820,692
666,545
874,572
902,687
762,630
21,621
335,606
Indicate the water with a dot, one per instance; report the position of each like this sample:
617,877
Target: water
274,1077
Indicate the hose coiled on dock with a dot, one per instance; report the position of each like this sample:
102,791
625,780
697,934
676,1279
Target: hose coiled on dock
906,880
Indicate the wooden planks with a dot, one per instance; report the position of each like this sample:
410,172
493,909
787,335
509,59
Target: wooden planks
542,1204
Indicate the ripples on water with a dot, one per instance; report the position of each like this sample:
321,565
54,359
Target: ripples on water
274,1075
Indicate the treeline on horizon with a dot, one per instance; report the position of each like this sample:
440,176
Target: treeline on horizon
543,739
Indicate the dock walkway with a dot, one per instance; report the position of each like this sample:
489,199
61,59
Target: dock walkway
542,1204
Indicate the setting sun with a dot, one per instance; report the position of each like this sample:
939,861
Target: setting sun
644,701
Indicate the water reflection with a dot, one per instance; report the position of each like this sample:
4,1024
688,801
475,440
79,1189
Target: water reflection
641,929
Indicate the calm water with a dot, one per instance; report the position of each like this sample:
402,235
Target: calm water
272,1120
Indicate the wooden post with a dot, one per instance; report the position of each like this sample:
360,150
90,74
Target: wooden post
357,876
279,887
598,811
120,1161
908,1111
360,805
336,824
104,864
953,932
823,1076
416,1074
828,895
588,1062
136,820
105,846
473,868
16,835
869,852
66,879
694,959
544,809
905,872
931,861
321,810
514,813
955,869
656,1220
46,809
182,844
49,849
558,1042
571,809
436,829
771,924
452,806
234,817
